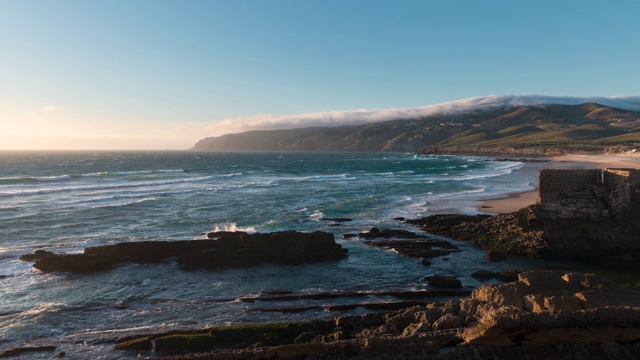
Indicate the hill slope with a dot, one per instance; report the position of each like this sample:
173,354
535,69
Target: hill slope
527,130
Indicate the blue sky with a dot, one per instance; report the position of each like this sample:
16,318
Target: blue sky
162,74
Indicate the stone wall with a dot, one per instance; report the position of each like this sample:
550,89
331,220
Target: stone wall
593,194
558,184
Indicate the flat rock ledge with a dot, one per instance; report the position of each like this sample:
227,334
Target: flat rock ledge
541,315
221,250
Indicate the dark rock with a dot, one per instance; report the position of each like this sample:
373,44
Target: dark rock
494,256
77,263
426,262
390,233
507,275
399,219
287,247
337,219
444,282
420,249
442,224
225,234
21,350
227,250
349,236
422,253
483,275
38,254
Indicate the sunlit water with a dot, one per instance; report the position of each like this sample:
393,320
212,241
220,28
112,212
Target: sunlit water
64,202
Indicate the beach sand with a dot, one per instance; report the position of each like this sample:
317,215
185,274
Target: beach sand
516,201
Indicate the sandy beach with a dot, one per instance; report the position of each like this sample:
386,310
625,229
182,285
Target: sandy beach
516,201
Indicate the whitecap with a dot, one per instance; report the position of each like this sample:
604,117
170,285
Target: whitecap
123,203
51,178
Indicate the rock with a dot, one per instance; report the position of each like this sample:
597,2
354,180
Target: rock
38,254
540,315
421,249
349,236
339,219
390,233
444,282
425,262
506,276
225,249
442,224
77,263
494,256
225,234
448,321
483,275
289,247
21,350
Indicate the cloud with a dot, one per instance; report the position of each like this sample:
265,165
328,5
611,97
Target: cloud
363,116
51,108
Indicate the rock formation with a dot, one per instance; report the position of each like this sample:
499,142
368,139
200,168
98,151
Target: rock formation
579,214
541,315
221,250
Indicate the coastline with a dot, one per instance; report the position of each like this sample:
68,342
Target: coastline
518,200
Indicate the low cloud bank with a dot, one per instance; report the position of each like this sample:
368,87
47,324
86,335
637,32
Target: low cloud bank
358,117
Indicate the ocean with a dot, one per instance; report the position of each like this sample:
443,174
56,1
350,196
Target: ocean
66,201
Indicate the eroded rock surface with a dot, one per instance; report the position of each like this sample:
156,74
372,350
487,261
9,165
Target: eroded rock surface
541,315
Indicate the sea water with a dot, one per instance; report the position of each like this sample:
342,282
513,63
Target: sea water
66,201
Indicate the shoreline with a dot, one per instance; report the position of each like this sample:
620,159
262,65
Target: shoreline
514,201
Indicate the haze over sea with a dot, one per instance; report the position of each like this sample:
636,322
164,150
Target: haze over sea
66,201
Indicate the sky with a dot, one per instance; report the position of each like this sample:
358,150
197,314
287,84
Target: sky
158,74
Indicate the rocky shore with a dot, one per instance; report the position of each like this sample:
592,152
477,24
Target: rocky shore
580,214
540,315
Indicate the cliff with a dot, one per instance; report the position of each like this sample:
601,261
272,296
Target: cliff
525,130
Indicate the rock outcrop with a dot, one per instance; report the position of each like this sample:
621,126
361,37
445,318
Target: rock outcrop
541,315
221,250
579,214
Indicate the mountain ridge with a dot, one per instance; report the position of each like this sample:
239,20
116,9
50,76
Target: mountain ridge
526,129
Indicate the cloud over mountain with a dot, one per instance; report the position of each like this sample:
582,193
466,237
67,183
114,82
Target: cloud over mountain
364,116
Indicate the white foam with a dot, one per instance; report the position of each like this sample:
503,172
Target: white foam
231,226
123,203
51,178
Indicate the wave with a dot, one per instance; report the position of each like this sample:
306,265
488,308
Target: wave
227,175
39,191
123,203
95,174
51,178
31,179
170,171
339,177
